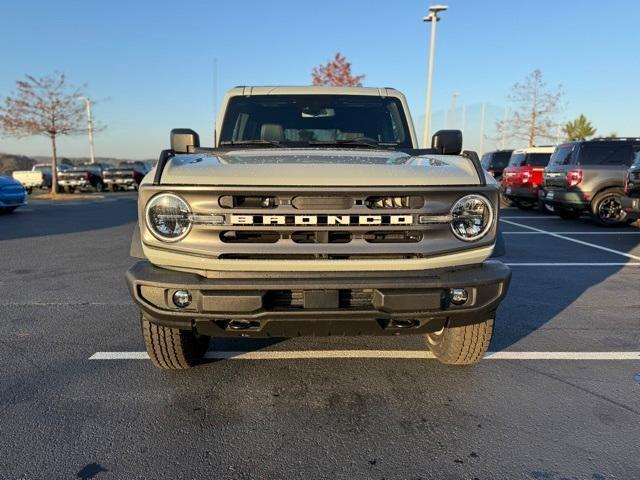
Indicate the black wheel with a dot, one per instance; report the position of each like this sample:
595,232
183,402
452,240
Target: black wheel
543,207
29,190
504,201
99,186
568,214
606,208
171,348
461,345
524,205
6,210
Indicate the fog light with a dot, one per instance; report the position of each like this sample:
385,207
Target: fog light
182,298
458,296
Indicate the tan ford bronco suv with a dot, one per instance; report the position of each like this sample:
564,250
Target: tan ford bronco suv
315,213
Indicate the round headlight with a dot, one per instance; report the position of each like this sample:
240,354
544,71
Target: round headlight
471,217
167,217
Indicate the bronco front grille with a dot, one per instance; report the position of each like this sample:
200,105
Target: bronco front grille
305,223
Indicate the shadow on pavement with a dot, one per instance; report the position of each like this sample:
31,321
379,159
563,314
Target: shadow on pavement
539,294
48,218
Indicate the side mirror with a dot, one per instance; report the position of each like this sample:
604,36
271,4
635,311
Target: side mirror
447,142
184,140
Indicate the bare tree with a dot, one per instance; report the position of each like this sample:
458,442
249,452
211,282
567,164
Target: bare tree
533,110
45,106
336,72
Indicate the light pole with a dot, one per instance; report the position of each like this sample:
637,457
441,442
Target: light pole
87,102
454,97
433,18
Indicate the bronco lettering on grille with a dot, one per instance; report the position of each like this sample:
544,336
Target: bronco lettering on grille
321,220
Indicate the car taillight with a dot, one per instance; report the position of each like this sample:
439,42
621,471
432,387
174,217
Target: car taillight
86,175
526,176
574,177
133,174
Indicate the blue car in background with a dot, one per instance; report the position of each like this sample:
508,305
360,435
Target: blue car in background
12,195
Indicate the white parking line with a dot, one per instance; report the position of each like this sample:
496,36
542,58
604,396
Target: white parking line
573,233
573,264
557,235
389,354
532,217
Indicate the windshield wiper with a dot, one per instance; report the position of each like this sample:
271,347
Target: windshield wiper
245,143
356,143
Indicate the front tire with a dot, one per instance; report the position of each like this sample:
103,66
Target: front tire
464,345
171,348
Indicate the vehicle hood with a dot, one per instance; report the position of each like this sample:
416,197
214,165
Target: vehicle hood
5,181
318,167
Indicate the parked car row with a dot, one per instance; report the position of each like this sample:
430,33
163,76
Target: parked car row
85,177
599,176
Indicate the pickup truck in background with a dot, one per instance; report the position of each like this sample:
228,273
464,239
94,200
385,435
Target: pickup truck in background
589,176
87,176
523,177
127,175
38,177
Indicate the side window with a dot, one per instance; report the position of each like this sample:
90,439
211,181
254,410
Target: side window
609,153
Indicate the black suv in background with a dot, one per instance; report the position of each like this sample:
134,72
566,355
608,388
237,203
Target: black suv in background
495,162
589,176
631,203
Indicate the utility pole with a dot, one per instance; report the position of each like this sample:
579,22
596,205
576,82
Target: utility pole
482,129
87,102
433,18
215,98
454,97
464,118
504,128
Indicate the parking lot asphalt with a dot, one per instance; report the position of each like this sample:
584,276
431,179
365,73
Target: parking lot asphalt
64,416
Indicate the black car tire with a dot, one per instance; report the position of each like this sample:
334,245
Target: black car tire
464,345
171,348
7,209
99,186
606,208
523,205
29,190
545,208
568,214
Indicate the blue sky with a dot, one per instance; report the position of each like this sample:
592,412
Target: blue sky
151,62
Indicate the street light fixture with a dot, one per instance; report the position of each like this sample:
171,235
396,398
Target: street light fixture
89,127
434,19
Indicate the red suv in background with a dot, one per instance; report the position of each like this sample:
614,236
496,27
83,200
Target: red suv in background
523,177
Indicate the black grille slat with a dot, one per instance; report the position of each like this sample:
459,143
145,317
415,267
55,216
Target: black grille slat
294,299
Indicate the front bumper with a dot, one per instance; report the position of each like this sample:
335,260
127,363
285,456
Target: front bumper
631,205
285,304
563,199
12,201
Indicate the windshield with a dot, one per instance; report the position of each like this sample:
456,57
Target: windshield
301,120
530,159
